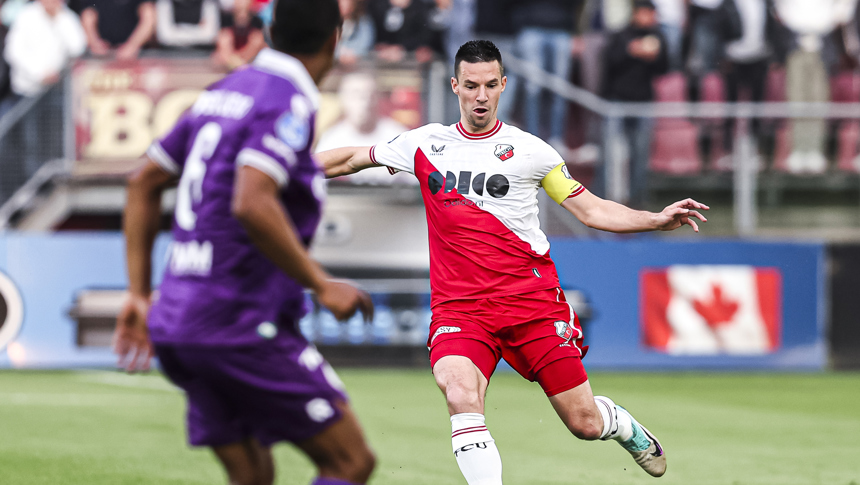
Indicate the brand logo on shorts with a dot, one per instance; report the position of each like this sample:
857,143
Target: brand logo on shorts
504,152
441,330
564,330
319,410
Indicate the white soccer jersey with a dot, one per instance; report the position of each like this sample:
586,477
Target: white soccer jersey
480,194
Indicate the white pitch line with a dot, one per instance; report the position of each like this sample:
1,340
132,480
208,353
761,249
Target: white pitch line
65,399
148,382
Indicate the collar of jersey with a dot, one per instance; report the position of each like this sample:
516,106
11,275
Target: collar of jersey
469,136
290,68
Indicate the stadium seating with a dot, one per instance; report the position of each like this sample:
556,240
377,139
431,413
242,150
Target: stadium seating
845,88
674,149
713,91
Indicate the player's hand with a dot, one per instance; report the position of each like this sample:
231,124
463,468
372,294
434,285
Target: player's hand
131,338
680,213
342,299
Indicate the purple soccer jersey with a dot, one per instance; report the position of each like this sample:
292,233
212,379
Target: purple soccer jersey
218,289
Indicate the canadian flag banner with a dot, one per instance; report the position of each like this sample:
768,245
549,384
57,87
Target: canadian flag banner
712,309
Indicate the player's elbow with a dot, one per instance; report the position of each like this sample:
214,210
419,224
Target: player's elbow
589,217
243,210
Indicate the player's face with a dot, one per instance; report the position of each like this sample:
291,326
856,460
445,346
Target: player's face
479,86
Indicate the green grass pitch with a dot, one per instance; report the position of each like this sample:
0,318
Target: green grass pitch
99,427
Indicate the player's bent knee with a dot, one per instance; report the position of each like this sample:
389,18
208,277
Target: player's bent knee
586,430
463,399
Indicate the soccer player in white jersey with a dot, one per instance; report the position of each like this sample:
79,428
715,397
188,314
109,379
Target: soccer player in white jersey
495,291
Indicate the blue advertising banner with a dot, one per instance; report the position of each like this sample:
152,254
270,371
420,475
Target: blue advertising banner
653,304
717,304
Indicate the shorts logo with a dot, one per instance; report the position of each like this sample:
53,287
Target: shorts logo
563,330
504,152
267,330
319,409
441,330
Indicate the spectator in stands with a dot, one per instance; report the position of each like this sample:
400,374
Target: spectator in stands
402,28
672,15
707,36
241,36
116,27
357,34
454,21
187,23
363,125
546,39
10,9
44,39
807,77
748,59
634,57
494,21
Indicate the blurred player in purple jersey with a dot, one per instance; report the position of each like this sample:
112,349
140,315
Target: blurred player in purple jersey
248,202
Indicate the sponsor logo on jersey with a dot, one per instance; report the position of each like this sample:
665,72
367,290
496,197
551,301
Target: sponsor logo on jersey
222,103
190,257
563,330
11,311
496,185
456,202
504,152
439,331
437,151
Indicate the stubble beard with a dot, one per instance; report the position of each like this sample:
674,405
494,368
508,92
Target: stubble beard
478,124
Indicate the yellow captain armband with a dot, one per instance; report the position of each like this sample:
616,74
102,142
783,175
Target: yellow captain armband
559,185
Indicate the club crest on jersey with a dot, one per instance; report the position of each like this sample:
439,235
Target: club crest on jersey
563,330
504,152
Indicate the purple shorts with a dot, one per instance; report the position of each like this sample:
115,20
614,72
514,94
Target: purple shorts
278,390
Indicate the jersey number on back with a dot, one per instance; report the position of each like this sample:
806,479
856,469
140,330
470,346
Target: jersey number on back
190,189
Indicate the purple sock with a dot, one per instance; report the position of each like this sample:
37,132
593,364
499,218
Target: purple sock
330,481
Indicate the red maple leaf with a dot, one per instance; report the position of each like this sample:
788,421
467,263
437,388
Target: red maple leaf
718,311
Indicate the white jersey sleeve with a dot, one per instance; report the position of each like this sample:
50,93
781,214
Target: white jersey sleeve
551,173
399,153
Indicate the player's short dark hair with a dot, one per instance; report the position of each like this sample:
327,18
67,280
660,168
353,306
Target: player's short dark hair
303,26
476,51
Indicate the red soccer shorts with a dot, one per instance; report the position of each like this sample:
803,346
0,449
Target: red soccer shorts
529,331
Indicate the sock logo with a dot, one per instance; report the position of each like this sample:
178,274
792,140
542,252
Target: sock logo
479,446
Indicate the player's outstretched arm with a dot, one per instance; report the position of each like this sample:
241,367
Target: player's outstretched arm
345,161
258,208
610,216
141,219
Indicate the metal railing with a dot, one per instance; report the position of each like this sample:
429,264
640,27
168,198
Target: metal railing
36,130
745,179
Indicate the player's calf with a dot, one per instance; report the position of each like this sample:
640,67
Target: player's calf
619,425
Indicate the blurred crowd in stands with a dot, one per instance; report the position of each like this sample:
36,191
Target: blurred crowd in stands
623,50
